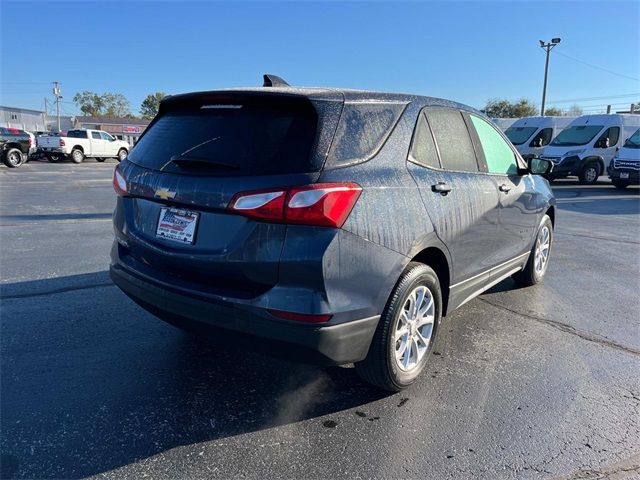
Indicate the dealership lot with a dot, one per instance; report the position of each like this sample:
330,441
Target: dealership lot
527,383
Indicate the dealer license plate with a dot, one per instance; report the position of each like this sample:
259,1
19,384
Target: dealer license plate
177,225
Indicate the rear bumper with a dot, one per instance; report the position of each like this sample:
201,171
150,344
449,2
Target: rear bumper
329,345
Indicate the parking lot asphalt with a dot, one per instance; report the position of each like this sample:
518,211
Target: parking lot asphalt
539,382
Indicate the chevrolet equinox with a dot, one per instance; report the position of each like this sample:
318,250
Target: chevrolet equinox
340,223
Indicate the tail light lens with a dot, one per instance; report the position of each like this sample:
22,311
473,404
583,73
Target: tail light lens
300,317
62,142
119,183
321,204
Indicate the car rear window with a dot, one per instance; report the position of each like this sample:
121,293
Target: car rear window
263,137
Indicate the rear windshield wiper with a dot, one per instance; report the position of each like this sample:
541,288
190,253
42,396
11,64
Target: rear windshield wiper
199,162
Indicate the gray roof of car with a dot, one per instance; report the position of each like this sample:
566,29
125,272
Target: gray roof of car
347,95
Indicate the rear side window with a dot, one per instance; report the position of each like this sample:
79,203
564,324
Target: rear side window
423,149
363,129
252,137
77,134
497,152
453,140
96,135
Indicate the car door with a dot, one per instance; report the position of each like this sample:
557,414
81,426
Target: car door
607,145
110,147
97,144
462,204
517,221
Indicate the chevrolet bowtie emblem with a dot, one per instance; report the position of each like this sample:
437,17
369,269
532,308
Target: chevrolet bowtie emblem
165,194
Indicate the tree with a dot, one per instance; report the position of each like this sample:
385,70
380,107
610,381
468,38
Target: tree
109,104
116,105
89,103
150,105
574,111
502,108
554,112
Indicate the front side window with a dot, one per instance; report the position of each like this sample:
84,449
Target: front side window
423,149
542,138
453,140
519,135
609,138
106,136
576,135
497,152
633,141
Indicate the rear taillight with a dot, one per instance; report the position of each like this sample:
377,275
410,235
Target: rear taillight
119,183
30,142
62,142
300,317
321,204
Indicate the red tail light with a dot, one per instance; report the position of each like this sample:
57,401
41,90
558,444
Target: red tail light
62,142
300,317
321,204
119,183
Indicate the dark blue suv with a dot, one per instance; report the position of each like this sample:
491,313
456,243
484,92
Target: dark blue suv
336,224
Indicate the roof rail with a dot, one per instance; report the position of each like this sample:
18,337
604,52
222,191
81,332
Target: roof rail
273,81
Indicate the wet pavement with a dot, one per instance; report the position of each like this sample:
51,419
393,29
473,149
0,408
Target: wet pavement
540,382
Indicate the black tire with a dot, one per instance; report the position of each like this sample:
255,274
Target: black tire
77,155
530,276
12,158
380,367
590,173
122,154
100,159
619,184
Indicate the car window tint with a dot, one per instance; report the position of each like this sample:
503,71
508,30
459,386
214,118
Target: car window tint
497,152
96,135
542,138
423,149
453,140
363,129
106,136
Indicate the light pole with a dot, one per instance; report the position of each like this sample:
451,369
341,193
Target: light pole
56,93
547,47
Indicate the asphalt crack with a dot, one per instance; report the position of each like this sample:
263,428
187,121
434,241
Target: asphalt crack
564,327
57,290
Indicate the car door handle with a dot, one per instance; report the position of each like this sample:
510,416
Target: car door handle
441,187
504,188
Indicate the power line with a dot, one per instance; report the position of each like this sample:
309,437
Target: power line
586,99
597,67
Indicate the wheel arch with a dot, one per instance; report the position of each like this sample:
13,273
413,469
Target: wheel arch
551,211
77,147
435,258
597,159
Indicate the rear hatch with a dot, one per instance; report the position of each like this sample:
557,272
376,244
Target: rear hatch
198,153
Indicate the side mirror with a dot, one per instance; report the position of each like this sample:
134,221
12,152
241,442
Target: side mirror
538,166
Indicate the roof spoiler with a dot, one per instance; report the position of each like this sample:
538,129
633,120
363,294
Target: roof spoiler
273,81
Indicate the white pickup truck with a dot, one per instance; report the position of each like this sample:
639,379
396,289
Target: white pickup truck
80,144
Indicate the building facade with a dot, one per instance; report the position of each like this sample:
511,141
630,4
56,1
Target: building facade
23,119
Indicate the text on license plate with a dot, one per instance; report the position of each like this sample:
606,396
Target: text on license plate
624,174
177,225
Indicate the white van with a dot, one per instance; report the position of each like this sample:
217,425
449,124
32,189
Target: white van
588,145
530,134
624,169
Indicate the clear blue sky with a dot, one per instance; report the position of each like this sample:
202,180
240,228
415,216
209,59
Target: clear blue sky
465,51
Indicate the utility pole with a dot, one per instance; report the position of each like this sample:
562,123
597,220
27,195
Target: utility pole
547,47
56,93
